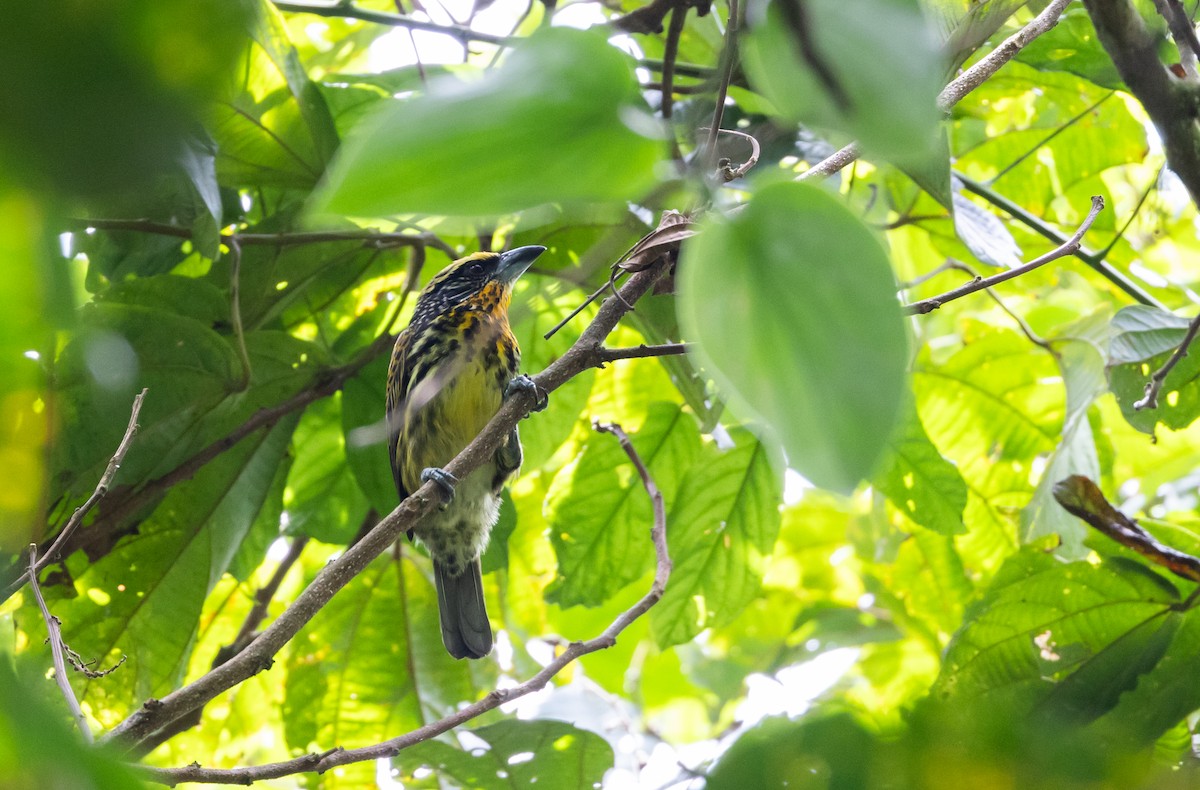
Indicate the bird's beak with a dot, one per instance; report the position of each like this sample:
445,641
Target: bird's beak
514,262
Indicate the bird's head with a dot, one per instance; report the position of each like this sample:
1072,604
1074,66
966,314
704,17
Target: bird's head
482,278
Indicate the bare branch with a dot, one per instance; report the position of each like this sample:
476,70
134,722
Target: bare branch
51,554
1154,385
56,648
334,757
960,86
1183,33
155,714
979,283
1080,497
349,10
731,173
372,239
708,155
604,355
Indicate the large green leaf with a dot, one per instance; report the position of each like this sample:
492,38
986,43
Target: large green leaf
793,306
1070,637
888,101
518,754
599,513
371,665
920,482
555,123
720,531
322,498
143,599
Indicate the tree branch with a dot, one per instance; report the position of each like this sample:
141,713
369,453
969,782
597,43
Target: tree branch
604,355
980,283
1154,385
51,554
370,238
56,648
708,157
349,10
960,86
155,714
332,758
1170,102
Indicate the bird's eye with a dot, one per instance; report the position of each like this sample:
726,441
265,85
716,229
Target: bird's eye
475,269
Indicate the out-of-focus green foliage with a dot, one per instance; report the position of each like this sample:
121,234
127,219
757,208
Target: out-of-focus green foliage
872,584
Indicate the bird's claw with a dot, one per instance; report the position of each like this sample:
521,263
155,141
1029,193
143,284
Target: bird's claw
444,479
523,383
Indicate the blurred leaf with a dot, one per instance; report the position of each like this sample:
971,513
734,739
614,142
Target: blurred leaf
965,25
920,482
831,751
985,235
518,754
555,123
889,100
800,363
599,513
720,531
127,119
1140,333
39,752
363,403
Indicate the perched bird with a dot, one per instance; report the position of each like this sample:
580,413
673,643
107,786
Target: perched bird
451,369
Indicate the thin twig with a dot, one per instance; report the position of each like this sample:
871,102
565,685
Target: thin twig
114,463
56,648
1069,247
670,53
1154,385
1080,497
605,355
370,238
730,173
708,159
349,10
959,87
332,758
235,308
155,714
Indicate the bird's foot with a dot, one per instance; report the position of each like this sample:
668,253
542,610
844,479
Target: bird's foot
443,478
523,383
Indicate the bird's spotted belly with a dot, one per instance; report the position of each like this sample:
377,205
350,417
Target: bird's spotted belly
459,533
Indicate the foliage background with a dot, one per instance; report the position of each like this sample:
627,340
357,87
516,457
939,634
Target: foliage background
925,615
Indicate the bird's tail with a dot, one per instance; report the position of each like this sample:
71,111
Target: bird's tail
466,631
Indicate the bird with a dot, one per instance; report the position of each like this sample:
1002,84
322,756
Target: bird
450,371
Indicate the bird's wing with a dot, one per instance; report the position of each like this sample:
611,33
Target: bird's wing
396,393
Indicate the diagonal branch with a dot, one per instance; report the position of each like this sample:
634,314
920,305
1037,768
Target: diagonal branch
51,554
155,714
349,10
960,86
332,758
1154,385
56,648
980,283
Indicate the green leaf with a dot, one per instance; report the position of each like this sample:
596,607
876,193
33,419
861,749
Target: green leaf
984,234
599,513
720,532
1072,45
518,754
37,750
322,498
555,123
812,344
1070,637
889,99
1143,339
828,751
144,598
920,482
371,665
364,399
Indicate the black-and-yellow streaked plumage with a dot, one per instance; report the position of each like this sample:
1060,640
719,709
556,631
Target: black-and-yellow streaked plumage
449,371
